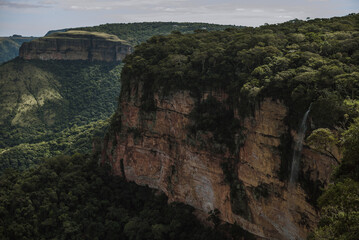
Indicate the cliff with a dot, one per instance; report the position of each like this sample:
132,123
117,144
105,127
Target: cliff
211,119
76,45
155,150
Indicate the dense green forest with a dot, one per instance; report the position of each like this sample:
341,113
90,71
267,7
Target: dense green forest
9,46
49,107
339,204
74,198
136,33
303,63
75,139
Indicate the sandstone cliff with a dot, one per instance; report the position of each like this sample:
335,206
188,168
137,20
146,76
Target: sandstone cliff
155,149
76,45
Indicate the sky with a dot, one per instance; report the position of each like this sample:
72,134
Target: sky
36,17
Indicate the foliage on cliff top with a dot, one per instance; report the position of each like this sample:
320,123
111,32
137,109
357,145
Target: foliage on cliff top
74,198
77,34
136,33
297,61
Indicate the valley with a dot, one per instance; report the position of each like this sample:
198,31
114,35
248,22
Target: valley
253,130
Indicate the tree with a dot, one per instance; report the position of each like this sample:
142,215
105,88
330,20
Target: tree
340,212
340,202
323,140
349,83
350,164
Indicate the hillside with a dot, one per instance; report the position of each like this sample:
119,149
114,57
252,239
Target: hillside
41,99
220,120
9,46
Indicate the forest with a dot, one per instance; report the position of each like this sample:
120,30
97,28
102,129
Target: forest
136,33
73,198
79,95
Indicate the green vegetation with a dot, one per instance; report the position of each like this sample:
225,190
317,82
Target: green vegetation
323,140
299,62
74,198
46,105
340,202
9,47
136,33
75,139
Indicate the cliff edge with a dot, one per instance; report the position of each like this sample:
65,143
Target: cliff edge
76,45
214,120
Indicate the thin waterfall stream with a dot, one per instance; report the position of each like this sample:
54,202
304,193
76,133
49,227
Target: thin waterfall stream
289,228
298,149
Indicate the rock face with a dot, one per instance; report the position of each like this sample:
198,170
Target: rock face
76,45
154,149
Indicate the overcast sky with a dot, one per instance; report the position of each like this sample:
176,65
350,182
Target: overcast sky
36,17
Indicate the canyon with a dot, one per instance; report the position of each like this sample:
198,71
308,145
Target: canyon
76,45
155,149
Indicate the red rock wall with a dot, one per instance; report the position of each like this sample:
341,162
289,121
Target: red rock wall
155,150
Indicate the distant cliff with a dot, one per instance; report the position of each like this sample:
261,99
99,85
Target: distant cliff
76,45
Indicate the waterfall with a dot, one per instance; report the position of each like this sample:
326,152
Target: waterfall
298,149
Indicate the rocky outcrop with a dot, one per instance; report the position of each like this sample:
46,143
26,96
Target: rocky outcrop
76,45
155,149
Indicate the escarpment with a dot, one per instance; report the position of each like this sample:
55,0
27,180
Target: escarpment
76,45
156,149
214,119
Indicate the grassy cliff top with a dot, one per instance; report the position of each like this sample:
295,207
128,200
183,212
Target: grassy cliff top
78,34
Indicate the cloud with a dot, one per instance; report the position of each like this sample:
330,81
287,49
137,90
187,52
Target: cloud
112,4
257,10
9,4
86,4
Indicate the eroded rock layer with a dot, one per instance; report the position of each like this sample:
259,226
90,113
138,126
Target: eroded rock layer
155,149
76,45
